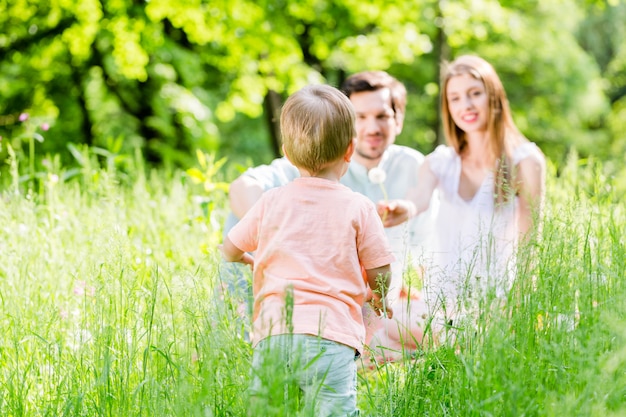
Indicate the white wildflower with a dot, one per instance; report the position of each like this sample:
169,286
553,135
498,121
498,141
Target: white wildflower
377,175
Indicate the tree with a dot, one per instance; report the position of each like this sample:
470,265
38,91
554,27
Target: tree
170,77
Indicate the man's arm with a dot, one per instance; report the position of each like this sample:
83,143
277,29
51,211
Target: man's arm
395,212
243,193
248,188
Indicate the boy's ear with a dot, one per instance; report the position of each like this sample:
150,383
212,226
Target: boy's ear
348,155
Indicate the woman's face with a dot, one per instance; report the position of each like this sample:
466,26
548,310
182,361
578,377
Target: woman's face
468,103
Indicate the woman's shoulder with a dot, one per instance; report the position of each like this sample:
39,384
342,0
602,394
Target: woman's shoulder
443,152
442,158
527,150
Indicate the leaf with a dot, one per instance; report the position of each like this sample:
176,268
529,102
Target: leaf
201,158
100,151
219,186
196,175
220,163
70,173
76,153
115,145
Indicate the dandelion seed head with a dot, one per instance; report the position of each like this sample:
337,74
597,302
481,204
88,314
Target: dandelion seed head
377,175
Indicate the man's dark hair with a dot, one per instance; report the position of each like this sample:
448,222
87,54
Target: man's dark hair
376,80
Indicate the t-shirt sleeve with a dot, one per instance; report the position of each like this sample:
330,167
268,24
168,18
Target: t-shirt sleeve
245,233
276,174
372,244
524,151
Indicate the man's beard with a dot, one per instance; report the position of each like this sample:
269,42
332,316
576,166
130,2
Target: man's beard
371,158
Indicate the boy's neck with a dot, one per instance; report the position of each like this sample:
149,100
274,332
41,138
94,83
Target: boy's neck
332,172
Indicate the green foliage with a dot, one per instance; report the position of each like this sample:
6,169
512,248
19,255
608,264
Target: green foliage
111,305
207,172
98,273
557,349
172,77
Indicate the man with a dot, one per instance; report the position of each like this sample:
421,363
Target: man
380,170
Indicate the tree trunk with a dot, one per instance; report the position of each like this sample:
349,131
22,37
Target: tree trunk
442,52
272,104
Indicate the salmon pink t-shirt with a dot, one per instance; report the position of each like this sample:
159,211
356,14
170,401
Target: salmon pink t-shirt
310,238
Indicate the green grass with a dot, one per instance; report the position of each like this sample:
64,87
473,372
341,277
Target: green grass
107,309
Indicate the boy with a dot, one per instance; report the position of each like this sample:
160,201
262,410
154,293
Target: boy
311,239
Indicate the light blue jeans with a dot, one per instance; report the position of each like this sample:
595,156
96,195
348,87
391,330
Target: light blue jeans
236,280
323,370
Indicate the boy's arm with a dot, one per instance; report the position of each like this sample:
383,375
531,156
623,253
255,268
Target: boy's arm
379,280
232,253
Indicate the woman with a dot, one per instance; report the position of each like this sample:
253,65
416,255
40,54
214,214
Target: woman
490,180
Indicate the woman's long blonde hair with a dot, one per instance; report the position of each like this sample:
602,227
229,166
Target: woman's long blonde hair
503,135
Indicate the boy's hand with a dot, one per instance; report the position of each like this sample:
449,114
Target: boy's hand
381,307
247,259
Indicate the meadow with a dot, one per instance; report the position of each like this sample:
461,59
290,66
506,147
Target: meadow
107,308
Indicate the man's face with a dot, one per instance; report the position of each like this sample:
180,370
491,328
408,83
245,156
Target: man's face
376,125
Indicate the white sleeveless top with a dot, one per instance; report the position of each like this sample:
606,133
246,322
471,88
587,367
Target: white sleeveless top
474,241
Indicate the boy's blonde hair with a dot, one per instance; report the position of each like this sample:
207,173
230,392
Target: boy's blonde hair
317,125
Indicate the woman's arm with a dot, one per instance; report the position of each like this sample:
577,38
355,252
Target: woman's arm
531,183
